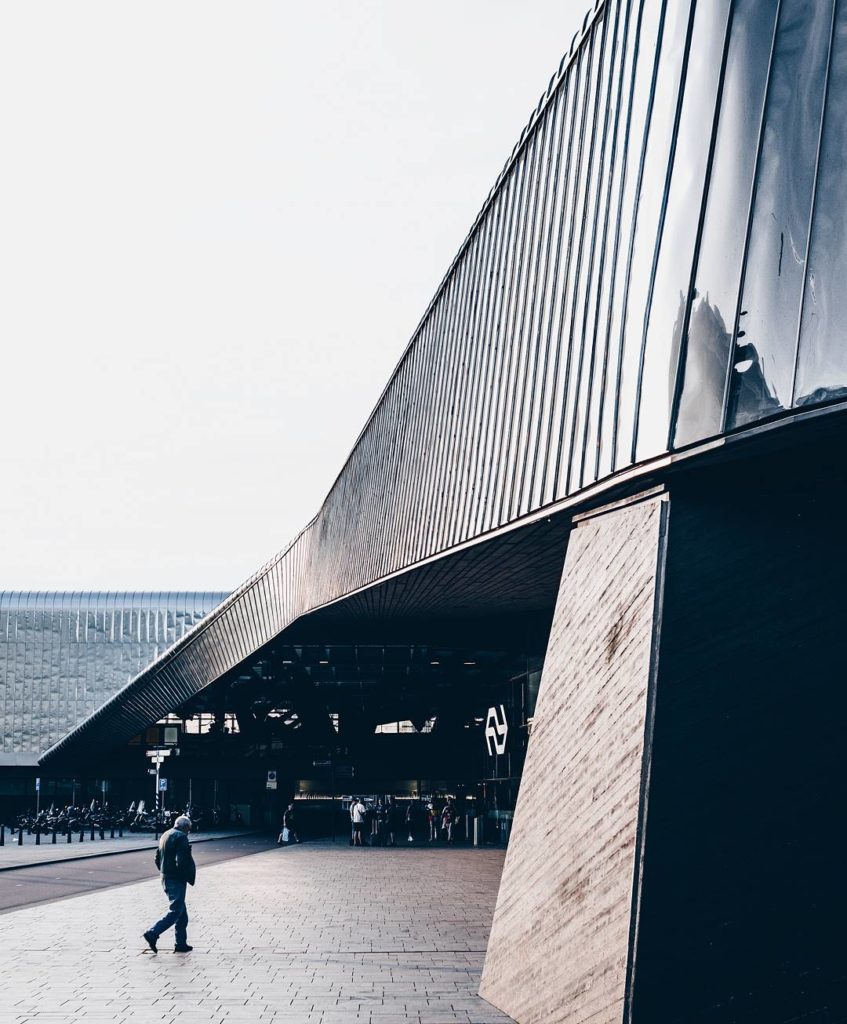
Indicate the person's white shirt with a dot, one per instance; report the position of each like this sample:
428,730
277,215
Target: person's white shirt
358,813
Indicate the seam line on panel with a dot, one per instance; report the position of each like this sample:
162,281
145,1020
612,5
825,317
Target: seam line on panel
754,188
657,251
813,204
695,257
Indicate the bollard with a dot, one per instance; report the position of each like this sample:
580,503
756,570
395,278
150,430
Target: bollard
20,837
112,833
38,837
53,840
92,833
120,831
2,835
69,835
82,835
102,834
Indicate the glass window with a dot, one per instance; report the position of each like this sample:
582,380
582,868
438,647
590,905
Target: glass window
669,301
763,370
718,275
822,367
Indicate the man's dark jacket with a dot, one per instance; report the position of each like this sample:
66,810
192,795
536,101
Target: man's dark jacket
174,859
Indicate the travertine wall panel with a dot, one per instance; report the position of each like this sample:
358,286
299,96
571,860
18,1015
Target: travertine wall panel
559,944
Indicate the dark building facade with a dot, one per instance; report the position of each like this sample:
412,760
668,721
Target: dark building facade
614,446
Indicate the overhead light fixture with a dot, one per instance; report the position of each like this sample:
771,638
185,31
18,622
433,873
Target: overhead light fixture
435,663
469,662
323,662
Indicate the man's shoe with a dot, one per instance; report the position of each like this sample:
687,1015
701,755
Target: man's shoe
183,949
151,939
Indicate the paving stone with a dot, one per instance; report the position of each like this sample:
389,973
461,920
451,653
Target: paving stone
317,934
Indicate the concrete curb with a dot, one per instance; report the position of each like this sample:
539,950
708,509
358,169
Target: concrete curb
115,853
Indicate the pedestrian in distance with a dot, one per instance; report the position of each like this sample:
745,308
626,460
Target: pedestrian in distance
411,820
358,812
373,816
380,814
176,865
288,833
448,819
432,818
394,819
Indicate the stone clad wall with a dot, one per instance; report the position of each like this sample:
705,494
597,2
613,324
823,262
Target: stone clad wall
560,940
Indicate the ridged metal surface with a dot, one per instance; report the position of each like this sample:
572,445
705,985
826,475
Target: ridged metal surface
63,654
661,261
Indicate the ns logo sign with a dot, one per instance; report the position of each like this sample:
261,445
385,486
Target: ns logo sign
496,730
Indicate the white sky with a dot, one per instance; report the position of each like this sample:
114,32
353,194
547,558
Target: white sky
219,225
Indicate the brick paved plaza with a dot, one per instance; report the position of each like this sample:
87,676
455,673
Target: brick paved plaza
317,933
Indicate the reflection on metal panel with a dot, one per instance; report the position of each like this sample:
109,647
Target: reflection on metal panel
763,370
822,368
683,155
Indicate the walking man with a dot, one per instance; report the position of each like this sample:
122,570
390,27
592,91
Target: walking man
289,831
176,864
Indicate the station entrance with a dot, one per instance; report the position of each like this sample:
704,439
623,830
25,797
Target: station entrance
320,724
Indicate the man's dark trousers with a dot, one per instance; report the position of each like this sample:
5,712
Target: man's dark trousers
177,915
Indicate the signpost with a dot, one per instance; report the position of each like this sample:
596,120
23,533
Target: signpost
271,781
37,796
158,755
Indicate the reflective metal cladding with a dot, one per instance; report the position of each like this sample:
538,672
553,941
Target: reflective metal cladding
661,261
